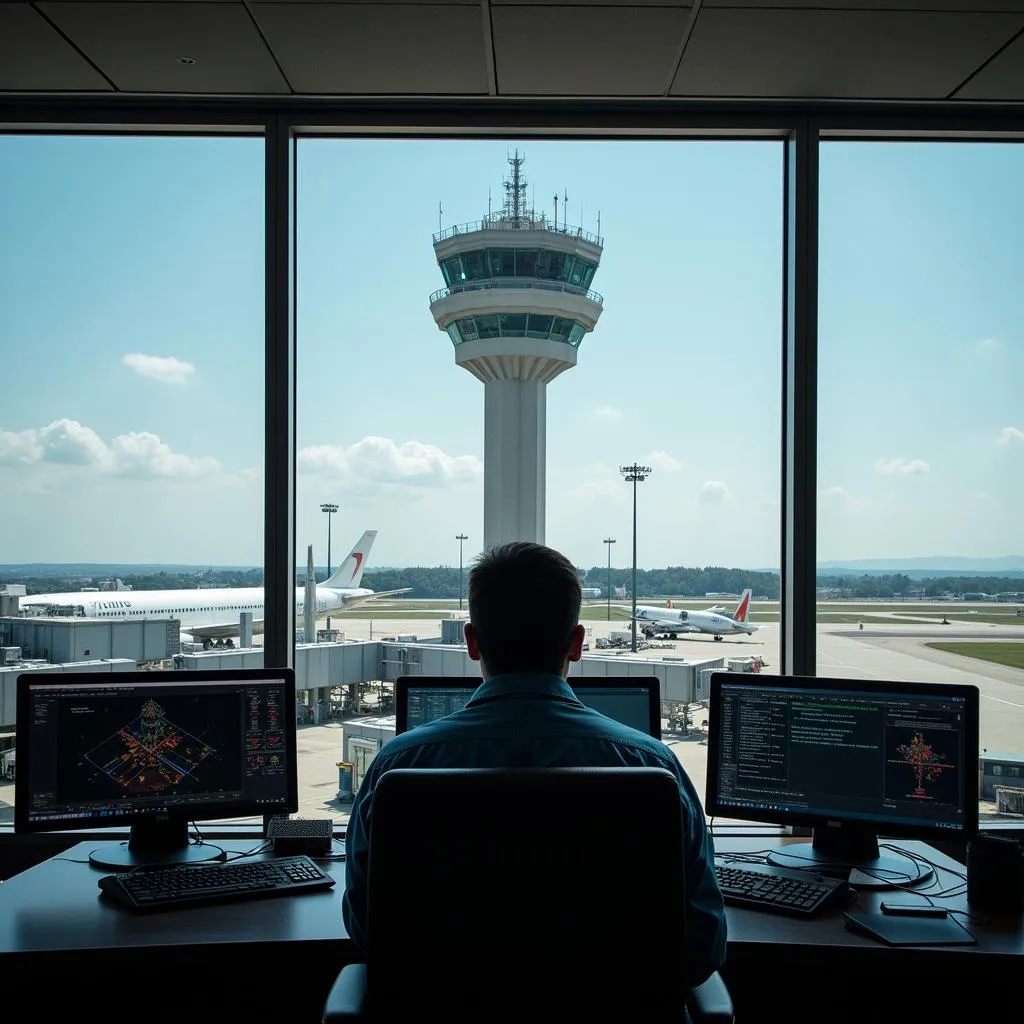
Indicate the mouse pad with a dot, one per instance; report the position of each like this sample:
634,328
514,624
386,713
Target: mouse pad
909,931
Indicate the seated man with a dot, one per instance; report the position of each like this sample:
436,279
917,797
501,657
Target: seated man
524,609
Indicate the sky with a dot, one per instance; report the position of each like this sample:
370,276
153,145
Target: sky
131,331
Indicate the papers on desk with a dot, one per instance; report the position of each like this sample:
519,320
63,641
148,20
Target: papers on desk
909,931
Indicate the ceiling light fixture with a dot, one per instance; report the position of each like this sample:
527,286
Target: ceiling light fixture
186,60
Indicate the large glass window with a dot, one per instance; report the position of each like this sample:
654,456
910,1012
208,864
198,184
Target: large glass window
921,430
131,423
681,373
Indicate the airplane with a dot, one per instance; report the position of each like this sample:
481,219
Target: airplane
214,614
714,620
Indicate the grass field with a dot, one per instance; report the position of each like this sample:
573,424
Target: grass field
908,613
1011,654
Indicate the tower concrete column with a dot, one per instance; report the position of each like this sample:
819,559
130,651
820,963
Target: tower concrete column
515,456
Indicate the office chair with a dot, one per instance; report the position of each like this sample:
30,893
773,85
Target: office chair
498,894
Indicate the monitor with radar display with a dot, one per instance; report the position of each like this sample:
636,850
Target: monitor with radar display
153,750
633,701
854,759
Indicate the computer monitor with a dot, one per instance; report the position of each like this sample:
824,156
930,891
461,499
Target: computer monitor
854,759
632,700
153,750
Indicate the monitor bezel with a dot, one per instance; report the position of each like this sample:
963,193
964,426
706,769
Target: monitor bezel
715,809
196,812
403,684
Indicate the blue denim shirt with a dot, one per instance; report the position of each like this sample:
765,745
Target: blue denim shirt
515,721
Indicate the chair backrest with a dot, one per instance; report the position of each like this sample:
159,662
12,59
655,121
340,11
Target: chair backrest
533,888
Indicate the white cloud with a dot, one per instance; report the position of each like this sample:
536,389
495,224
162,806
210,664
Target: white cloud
165,369
69,442
20,447
608,413
833,492
662,461
714,492
139,455
902,467
1008,435
374,461
986,345
144,455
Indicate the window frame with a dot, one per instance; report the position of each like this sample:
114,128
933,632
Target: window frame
801,126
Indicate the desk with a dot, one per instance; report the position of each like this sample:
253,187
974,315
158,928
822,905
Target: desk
53,924
769,940
55,908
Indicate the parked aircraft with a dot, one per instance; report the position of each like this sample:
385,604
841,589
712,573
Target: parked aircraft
715,620
214,614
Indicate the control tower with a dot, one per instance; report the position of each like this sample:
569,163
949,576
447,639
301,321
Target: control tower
517,304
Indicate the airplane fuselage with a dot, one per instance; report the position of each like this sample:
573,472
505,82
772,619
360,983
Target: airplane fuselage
670,620
194,608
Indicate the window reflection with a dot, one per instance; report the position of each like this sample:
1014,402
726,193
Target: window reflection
543,265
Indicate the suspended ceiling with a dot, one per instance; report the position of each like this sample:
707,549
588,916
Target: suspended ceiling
917,50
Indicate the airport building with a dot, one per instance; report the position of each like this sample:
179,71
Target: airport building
516,304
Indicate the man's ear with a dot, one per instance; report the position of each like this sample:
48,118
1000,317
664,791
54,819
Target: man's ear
576,647
472,648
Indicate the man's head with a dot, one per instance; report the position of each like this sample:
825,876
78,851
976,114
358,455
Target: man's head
524,610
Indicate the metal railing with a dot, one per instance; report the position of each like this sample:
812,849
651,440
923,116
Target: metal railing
518,224
517,282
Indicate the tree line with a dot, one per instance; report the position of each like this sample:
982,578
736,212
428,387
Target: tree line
442,582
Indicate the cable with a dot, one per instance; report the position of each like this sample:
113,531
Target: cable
265,845
334,856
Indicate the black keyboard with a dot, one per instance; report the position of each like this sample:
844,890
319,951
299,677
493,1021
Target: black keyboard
779,890
202,884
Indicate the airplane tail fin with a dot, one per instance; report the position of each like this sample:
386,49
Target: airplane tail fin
743,607
350,572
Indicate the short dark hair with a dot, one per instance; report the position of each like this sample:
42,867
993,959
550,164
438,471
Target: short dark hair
524,603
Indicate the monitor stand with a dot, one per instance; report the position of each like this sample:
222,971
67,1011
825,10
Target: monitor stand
852,853
155,844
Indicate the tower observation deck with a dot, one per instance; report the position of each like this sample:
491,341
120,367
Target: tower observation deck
516,305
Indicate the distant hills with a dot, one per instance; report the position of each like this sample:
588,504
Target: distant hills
1008,566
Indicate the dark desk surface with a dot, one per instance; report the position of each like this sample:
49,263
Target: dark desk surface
774,938
55,908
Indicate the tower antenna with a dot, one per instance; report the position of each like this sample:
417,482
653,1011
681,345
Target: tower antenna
440,229
556,211
515,189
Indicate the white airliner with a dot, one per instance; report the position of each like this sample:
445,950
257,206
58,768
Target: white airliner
213,614
715,620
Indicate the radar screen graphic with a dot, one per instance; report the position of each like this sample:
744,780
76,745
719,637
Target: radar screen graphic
154,748
928,771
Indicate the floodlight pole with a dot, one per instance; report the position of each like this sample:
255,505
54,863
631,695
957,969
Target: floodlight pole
460,537
330,510
634,474
609,541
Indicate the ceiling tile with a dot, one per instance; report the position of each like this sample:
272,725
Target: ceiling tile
970,6
138,45
396,49
600,51
34,57
1003,79
837,54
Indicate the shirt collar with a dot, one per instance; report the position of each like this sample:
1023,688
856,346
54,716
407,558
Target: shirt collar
522,684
